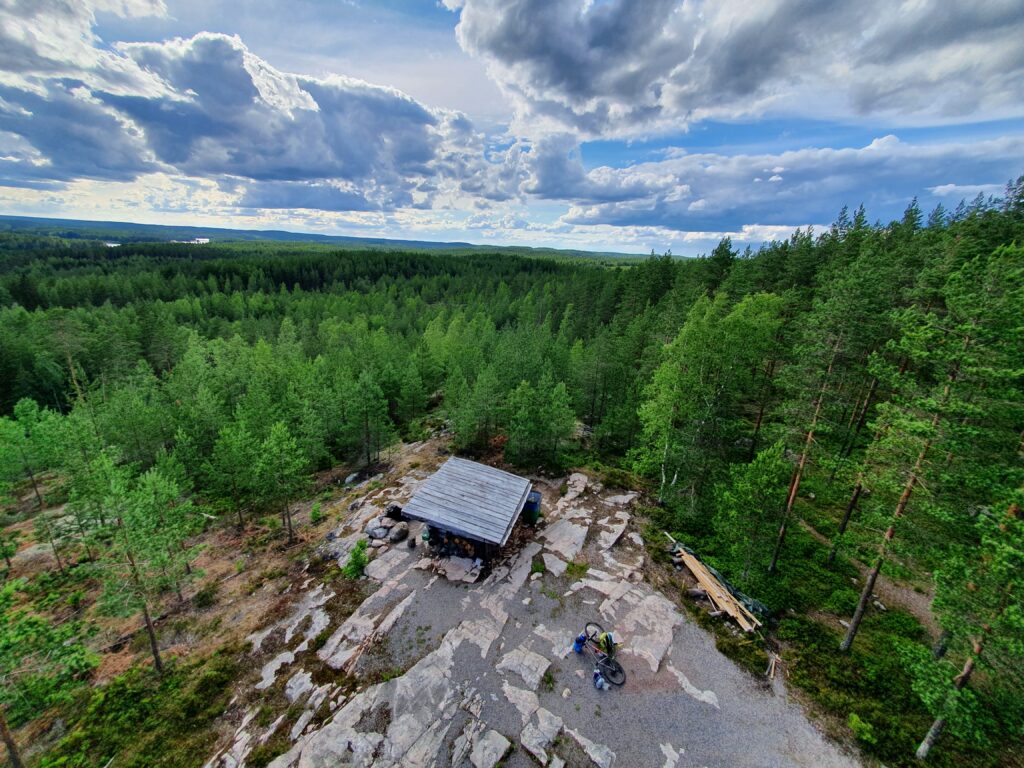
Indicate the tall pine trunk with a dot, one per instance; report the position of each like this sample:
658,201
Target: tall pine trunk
762,405
154,647
958,683
794,483
850,506
901,508
13,757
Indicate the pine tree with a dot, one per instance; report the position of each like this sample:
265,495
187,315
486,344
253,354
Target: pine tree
280,474
228,474
369,422
146,555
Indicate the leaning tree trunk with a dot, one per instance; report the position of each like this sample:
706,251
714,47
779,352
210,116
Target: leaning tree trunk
762,405
32,477
154,646
850,506
288,523
13,758
958,683
862,419
794,483
977,647
901,508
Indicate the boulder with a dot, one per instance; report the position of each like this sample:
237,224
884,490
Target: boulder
399,532
393,511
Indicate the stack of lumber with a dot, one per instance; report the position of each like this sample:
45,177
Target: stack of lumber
717,594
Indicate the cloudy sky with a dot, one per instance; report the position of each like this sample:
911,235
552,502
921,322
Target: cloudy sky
600,124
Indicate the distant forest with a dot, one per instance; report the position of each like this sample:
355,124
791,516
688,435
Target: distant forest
848,396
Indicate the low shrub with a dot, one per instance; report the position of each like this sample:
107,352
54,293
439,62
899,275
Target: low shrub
357,561
206,596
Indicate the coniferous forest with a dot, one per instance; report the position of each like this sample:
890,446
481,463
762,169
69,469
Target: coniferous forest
835,422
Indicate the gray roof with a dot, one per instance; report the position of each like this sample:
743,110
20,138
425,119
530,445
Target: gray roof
471,500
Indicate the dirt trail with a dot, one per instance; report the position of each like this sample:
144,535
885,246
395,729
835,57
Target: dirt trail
917,604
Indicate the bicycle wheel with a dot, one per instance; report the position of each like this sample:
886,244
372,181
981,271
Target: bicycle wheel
612,671
592,630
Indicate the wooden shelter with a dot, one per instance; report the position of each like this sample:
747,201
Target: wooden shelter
471,501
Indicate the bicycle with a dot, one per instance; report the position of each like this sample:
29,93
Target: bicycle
610,669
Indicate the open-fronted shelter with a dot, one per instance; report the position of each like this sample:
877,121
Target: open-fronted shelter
470,501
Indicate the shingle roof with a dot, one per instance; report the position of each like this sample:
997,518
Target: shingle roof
471,500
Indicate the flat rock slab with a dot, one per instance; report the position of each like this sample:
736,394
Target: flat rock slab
560,644
555,565
536,738
565,538
298,686
382,567
524,701
269,672
648,628
528,665
599,753
574,486
615,526
489,749
459,569
671,755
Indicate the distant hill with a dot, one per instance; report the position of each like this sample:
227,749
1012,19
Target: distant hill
127,232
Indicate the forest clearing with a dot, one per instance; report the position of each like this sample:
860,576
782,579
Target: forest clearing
193,444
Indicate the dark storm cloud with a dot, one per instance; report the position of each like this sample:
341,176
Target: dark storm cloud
624,66
73,136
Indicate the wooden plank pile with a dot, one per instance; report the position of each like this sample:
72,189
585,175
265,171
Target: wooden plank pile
710,587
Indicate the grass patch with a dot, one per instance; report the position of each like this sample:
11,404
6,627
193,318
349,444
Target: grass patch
576,569
548,680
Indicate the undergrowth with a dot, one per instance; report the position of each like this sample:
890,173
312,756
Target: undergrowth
867,694
147,721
